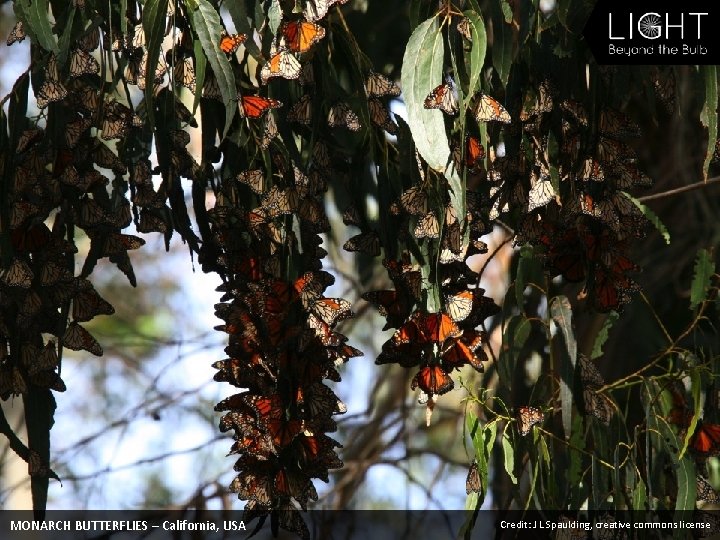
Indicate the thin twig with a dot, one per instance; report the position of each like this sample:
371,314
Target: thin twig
682,189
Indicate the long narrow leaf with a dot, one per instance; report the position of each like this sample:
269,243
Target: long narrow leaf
206,22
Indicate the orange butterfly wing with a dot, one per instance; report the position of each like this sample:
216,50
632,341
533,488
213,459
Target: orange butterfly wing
706,440
256,106
230,43
301,35
433,381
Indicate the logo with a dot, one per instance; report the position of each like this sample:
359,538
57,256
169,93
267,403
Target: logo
644,32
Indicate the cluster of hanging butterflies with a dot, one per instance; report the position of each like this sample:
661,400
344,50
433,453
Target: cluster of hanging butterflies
282,346
583,220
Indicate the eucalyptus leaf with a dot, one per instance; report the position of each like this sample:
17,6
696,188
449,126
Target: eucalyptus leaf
207,24
422,71
153,21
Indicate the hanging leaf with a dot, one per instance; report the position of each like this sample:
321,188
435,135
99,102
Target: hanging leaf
153,21
422,70
477,54
603,334
206,22
503,40
561,313
708,116
515,335
652,217
704,270
34,16
509,455
529,270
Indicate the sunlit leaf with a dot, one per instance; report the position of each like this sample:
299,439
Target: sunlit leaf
422,70
206,22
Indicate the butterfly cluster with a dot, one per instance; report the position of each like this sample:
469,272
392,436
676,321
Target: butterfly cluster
58,188
577,213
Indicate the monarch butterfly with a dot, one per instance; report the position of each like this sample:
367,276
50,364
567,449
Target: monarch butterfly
432,380
473,483
90,40
282,64
254,179
541,194
567,257
78,339
459,306
590,376
598,405
117,243
81,63
211,88
311,285
463,28
256,106
150,221
300,36
50,92
332,310
436,327
317,9
628,175
393,305
18,274
29,137
312,213
230,43
16,34
527,417
378,85
270,131
351,216
427,227
307,75
319,401
536,105
366,242
138,37
615,124
117,121
319,331
474,152
36,465
442,97
705,441
609,151
91,213
88,304
75,129
705,491
34,238
184,74
340,115
380,116
414,201
489,110
301,112
465,350
255,481
85,98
